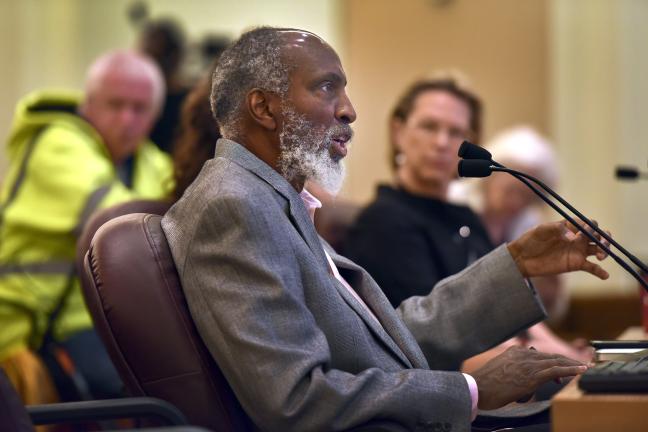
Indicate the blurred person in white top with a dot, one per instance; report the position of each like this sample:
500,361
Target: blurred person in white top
508,208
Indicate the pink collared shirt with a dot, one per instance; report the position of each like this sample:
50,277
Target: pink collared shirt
313,204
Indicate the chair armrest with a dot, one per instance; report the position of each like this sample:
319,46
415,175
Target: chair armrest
97,410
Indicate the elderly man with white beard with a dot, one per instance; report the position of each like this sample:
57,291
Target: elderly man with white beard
305,338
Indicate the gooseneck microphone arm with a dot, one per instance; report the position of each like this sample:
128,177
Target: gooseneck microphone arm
578,214
471,151
483,168
523,177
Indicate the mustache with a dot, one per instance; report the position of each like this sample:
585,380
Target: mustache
341,132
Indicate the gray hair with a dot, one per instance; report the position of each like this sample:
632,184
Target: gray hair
254,61
524,148
126,63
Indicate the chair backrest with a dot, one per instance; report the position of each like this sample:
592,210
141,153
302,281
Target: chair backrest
104,215
133,292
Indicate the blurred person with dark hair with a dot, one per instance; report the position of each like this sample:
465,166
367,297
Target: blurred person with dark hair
71,154
164,40
410,237
197,139
211,47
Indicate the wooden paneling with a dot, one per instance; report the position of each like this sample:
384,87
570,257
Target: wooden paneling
500,45
601,316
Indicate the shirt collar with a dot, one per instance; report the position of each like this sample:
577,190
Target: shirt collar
310,202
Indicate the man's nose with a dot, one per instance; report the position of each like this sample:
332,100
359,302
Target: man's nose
345,112
126,115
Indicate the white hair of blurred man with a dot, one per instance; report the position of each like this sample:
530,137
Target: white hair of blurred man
507,207
519,147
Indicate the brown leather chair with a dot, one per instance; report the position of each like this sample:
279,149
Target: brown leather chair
104,215
132,290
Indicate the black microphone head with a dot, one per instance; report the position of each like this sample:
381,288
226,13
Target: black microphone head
627,173
474,168
469,150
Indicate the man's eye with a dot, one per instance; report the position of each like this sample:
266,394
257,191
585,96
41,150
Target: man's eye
327,86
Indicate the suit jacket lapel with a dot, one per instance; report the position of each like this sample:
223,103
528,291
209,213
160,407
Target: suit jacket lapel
393,330
302,222
376,328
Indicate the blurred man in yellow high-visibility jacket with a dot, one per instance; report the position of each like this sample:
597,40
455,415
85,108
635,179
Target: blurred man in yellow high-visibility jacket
71,154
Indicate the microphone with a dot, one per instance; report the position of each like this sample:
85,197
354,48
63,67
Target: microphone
478,166
629,173
474,168
474,151
468,150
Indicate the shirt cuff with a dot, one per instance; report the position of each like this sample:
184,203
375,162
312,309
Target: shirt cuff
474,394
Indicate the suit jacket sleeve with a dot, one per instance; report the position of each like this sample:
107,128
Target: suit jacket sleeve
472,311
244,286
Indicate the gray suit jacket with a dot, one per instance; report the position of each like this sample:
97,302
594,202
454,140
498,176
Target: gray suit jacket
296,347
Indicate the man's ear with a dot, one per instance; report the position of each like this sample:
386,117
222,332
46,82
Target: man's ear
263,108
84,104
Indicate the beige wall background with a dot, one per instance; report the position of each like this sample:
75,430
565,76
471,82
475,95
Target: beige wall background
501,47
575,69
598,112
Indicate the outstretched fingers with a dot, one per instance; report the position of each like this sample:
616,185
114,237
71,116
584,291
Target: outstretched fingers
592,247
594,250
594,269
557,367
600,253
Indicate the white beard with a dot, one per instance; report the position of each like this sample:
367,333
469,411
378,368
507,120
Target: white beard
305,151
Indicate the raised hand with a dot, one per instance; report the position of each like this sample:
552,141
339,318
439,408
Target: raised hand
554,248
